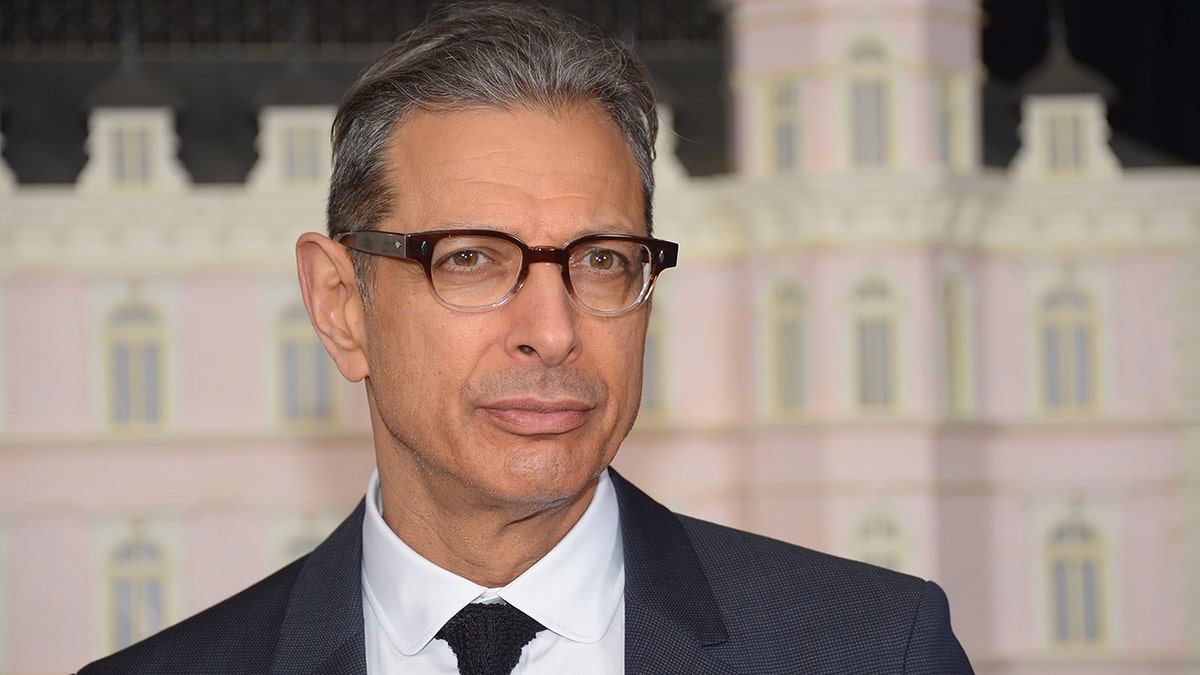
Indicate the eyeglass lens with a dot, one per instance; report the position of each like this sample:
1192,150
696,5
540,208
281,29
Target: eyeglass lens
473,272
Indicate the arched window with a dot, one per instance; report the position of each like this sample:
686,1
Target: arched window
870,105
786,368
307,371
1076,561
138,582
135,359
879,540
956,359
654,403
785,126
1068,322
950,120
875,345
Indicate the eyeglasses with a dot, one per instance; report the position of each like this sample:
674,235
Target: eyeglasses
476,270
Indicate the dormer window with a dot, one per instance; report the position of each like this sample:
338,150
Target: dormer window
130,155
1064,137
132,143
1063,143
1064,121
293,148
132,149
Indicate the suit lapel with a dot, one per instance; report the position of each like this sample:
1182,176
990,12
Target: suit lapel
670,612
322,631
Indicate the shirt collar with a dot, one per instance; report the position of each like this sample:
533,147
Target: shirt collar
574,590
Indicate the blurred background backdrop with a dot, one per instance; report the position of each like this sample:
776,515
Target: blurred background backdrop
938,305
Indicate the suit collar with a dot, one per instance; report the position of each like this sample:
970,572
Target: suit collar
324,620
670,611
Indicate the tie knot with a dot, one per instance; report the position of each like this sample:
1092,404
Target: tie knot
487,638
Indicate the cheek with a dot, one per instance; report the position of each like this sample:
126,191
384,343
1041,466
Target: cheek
430,359
619,351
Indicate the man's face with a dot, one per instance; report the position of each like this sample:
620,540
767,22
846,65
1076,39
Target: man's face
527,402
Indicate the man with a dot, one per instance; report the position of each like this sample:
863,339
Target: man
488,278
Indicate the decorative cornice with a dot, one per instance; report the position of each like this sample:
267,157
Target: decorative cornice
987,212
58,228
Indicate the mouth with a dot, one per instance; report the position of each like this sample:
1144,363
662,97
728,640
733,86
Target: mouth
536,417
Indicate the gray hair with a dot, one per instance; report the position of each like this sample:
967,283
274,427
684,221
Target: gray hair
481,55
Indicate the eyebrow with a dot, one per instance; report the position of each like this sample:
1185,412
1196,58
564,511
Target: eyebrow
472,225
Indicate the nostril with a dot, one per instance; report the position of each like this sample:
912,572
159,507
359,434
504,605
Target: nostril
526,349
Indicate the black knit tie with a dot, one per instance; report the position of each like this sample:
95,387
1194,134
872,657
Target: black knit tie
487,638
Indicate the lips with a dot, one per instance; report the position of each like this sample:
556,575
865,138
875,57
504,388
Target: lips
535,417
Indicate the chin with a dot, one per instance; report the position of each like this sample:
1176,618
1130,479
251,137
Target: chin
542,481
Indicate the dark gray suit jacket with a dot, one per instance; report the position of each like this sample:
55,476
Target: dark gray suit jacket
699,598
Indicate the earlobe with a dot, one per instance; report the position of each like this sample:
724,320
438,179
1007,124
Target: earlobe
331,296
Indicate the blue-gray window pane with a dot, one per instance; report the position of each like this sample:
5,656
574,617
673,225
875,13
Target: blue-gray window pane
321,382
1062,607
1083,355
291,360
791,363
650,385
1091,619
1053,359
124,616
150,355
121,383
152,606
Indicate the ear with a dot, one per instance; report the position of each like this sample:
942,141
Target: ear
330,293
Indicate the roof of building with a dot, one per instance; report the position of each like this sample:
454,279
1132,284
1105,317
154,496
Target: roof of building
1060,73
218,76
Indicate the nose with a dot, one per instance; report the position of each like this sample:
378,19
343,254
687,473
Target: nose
543,319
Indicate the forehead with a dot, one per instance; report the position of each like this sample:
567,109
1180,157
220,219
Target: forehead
522,170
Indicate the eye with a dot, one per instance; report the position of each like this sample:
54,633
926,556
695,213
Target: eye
466,258
601,260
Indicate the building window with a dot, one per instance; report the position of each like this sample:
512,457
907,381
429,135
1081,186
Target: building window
875,346
308,378
787,372
949,122
653,370
869,105
870,132
1076,560
131,155
1069,351
304,158
1064,143
879,541
785,109
956,361
137,577
135,338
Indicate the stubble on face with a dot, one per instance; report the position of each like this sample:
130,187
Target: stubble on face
453,404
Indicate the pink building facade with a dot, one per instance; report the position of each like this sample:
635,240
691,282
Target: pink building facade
873,346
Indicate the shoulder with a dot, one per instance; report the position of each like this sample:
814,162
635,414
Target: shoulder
236,635
831,611
739,560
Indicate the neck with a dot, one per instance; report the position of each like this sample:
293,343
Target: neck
484,539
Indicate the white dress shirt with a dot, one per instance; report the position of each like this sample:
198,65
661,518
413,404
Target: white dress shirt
577,591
